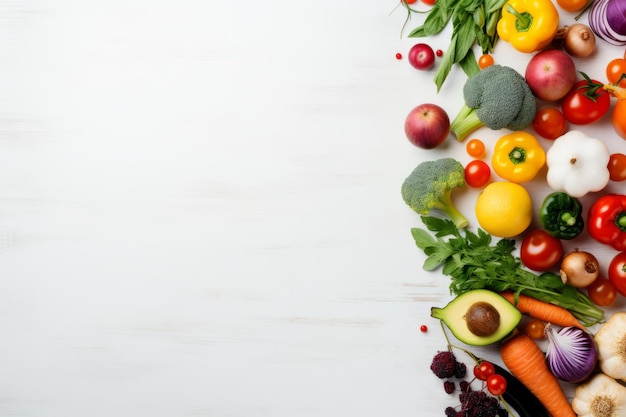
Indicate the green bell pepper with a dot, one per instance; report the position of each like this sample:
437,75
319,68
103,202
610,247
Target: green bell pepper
561,215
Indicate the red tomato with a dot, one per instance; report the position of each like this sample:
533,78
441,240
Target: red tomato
619,118
540,251
617,167
431,2
475,148
584,105
549,123
614,71
496,384
617,272
477,173
484,370
602,292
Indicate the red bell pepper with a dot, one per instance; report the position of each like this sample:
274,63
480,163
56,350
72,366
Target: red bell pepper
607,220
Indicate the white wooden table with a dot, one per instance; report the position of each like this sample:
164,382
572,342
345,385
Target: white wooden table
200,210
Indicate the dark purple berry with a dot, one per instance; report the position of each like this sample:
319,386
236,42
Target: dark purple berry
464,385
460,370
449,387
450,412
444,364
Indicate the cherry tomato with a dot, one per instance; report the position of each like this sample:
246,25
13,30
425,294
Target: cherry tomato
475,148
484,370
540,251
614,70
619,118
582,106
617,272
572,5
477,173
496,384
535,329
549,123
602,292
430,2
617,167
485,61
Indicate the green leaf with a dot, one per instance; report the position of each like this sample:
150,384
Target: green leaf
418,32
464,39
441,226
479,16
422,238
446,64
431,263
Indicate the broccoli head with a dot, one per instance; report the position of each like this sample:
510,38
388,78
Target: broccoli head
496,97
430,185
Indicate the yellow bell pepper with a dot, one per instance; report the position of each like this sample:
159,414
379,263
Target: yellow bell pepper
528,25
518,157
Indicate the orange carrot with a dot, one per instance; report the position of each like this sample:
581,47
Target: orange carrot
528,364
543,311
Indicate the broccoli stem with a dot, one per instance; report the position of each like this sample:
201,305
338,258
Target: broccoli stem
449,209
465,122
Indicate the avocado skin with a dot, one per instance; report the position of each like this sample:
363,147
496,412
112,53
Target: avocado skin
453,315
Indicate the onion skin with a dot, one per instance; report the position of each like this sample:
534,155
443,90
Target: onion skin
571,354
579,269
579,42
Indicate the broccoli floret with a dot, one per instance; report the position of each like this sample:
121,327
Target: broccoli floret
430,185
497,97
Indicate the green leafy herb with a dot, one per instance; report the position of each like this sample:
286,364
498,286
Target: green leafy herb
473,21
473,262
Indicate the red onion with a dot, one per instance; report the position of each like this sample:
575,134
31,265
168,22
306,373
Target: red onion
571,353
616,16
608,22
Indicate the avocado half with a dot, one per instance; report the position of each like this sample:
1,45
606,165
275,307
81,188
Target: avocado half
479,317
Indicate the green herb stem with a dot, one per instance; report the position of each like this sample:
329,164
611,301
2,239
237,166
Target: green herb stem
473,262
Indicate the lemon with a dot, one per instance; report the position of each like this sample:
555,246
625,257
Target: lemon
504,209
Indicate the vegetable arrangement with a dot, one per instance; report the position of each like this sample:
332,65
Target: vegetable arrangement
544,118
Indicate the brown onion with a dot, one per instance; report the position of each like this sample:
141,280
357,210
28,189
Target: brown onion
579,40
579,268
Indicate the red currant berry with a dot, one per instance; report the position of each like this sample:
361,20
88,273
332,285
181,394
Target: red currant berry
398,55
423,328
439,52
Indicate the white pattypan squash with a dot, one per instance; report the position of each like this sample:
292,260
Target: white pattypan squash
577,164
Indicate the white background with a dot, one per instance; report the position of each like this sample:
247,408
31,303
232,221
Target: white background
200,211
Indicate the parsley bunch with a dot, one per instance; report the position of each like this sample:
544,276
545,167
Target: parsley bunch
472,262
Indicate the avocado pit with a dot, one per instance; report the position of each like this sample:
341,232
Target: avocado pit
482,319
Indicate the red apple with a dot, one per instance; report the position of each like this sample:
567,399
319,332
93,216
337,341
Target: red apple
427,126
422,56
550,74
